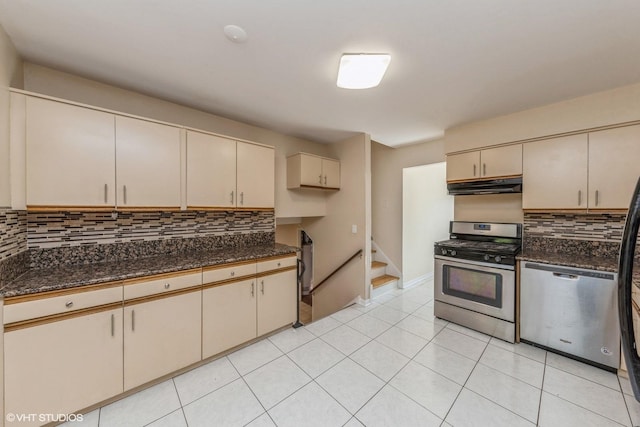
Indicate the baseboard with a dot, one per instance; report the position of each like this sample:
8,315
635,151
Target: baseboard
417,281
361,301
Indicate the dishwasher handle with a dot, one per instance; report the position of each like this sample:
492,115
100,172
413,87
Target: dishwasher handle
565,276
566,272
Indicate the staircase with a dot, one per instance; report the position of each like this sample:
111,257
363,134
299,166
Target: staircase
381,282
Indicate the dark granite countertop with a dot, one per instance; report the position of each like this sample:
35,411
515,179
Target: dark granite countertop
64,277
587,261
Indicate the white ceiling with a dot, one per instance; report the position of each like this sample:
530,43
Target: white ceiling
453,61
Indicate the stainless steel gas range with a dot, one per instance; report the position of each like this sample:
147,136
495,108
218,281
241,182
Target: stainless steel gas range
475,277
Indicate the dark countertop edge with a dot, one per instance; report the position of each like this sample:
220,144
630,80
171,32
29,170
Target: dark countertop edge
600,264
214,258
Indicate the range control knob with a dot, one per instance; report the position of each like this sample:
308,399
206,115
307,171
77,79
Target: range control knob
444,251
453,252
498,258
486,257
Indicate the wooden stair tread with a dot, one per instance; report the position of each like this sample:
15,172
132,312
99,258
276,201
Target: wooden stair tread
382,280
378,264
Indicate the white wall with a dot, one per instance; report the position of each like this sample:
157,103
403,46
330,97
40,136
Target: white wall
599,109
67,86
332,236
10,76
426,212
387,165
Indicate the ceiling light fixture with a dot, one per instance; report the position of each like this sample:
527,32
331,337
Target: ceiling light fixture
235,33
362,70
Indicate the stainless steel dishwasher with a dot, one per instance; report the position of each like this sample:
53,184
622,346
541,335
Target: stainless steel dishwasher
572,311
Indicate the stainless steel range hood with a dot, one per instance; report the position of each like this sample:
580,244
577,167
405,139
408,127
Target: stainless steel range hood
492,186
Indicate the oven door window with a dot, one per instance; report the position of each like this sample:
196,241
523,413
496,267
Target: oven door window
473,285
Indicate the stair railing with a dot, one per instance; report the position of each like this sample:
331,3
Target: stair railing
315,288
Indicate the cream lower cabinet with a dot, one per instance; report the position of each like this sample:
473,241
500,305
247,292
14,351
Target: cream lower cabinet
228,315
614,167
61,366
277,295
161,335
554,174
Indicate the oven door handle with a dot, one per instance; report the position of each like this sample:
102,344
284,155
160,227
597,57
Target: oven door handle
476,263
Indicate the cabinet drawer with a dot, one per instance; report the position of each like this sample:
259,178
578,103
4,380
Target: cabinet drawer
137,288
228,271
48,305
276,263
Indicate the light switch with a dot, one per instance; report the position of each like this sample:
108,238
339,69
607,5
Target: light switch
354,229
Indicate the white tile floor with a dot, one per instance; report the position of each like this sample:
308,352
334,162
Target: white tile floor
388,364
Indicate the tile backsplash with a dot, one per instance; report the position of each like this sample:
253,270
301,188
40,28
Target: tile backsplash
69,229
13,233
597,228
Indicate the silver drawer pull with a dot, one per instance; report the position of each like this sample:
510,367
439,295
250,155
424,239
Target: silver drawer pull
167,285
233,273
278,264
69,304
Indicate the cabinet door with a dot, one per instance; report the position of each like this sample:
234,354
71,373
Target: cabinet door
161,336
70,159
255,178
147,164
63,366
463,166
211,171
276,301
311,171
554,173
228,316
331,172
614,167
501,161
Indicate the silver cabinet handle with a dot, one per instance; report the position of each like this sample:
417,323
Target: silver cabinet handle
233,273
124,194
113,325
579,197
69,304
320,179
596,197
252,288
106,189
278,264
262,286
474,170
167,285
325,180
242,198
231,197
484,169
133,320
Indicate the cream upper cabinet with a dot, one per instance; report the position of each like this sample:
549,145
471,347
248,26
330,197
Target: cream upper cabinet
501,161
277,295
554,173
255,176
70,158
228,315
211,171
61,366
614,167
311,171
224,173
161,335
463,166
147,164
495,162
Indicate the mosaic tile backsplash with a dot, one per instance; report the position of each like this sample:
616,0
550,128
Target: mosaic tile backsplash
69,229
598,228
13,233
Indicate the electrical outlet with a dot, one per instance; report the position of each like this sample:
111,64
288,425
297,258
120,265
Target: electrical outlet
354,229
